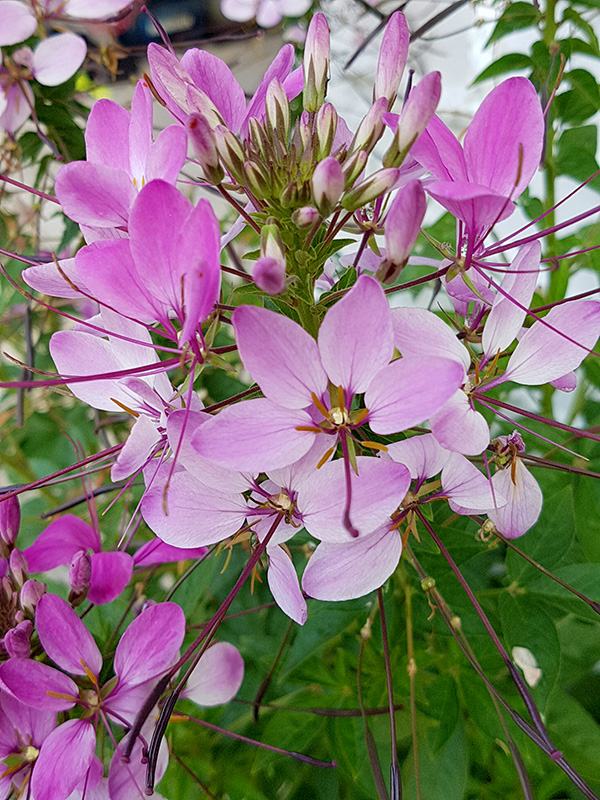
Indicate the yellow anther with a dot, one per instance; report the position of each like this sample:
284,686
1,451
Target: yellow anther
125,408
374,446
360,416
325,457
319,405
309,428
340,394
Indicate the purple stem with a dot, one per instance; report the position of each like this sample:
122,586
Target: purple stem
395,794
347,469
6,179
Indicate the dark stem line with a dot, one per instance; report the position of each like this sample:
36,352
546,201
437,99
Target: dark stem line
394,767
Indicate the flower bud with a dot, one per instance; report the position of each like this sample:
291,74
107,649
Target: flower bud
305,217
325,127
80,574
10,519
392,58
415,117
278,110
371,127
316,63
269,275
354,165
201,137
30,594
230,152
374,186
258,179
327,185
18,567
199,101
16,640
402,227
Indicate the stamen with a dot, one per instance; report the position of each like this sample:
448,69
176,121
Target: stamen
319,405
361,416
374,446
340,394
326,456
125,408
309,428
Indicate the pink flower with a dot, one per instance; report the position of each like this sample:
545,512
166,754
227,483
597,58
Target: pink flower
267,12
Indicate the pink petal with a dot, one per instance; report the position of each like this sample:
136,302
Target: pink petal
566,383
46,278
353,569
99,9
150,644
356,338
19,102
167,155
409,390
158,552
170,79
255,435
418,332
377,491
65,638
281,357
544,355
459,427
392,57
439,151
38,685
58,543
468,489
505,319
138,448
64,758
107,135
127,781
280,67
95,195
196,515
284,585
57,58
212,75
17,22
477,206
140,132
524,498
503,144
218,676
111,572
421,455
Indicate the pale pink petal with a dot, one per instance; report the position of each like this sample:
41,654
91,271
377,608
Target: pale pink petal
65,638
138,448
459,427
107,135
140,132
127,781
38,685
353,569
467,488
524,498
544,355
280,67
46,278
566,383
356,337
392,57
505,319
503,144
111,573
409,390
99,9
217,677
477,206
377,491
57,58
190,514
421,455
95,195
19,102
418,332
64,758
170,79
212,75
281,357
167,155
239,10
284,585
255,435
58,543
439,151
150,644
269,14
17,22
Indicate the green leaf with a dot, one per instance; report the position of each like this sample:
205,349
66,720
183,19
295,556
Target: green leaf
578,21
507,63
586,496
443,775
576,154
577,734
516,17
442,698
582,100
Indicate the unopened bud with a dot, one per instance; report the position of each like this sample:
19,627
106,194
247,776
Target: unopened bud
17,564
328,183
289,196
80,575
258,179
16,640
305,132
202,139
371,127
415,117
325,127
316,63
30,594
392,58
10,519
199,101
402,226
305,217
230,152
354,166
278,110
371,188
269,275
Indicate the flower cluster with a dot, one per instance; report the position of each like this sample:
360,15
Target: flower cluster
370,413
